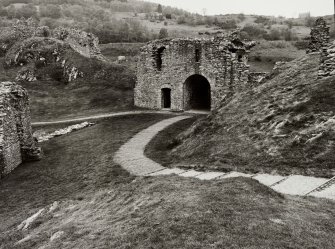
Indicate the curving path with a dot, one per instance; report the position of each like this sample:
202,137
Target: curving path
131,157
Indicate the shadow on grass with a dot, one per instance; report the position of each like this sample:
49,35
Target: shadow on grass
73,165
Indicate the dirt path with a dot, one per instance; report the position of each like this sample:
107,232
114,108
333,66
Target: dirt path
131,157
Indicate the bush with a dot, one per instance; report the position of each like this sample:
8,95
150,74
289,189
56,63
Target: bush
254,30
163,33
241,17
228,24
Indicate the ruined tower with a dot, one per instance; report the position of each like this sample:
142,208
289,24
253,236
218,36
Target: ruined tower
191,73
16,140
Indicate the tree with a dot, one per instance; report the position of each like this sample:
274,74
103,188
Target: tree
163,33
3,12
26,11
50,11
159,8
11,11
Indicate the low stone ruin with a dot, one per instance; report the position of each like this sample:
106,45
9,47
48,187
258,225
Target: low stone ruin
58,54
319,36
17,144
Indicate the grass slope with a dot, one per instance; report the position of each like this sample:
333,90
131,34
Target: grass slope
72,166
106,87
102,206
284,126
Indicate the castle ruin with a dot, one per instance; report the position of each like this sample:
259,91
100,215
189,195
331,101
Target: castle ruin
191,73
16,140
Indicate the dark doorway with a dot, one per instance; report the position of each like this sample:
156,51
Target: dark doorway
197,93
166,98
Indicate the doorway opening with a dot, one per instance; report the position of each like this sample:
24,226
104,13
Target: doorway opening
166,98
197,93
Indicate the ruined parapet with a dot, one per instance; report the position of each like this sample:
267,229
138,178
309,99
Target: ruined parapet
87,44
168,69
327,65
16,140
35,49
319,36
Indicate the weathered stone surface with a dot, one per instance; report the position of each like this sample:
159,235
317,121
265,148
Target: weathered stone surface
170,63
34,48
16,141
319,36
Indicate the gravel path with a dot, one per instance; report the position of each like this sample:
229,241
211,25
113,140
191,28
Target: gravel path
131,157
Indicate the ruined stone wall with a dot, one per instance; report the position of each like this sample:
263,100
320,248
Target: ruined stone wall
327,66
16,140
221,61
319,36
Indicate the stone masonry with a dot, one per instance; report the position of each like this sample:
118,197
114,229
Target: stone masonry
320,43
319,36
180,70
16,140
327,66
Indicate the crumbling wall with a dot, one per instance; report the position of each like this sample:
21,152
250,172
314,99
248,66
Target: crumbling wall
319,36
34,48
168,63
327,66
16,139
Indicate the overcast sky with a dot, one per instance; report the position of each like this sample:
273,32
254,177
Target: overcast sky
288,8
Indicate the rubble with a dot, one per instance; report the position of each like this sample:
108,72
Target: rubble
42,137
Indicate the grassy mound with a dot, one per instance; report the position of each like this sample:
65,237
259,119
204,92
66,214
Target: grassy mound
284,126
184,213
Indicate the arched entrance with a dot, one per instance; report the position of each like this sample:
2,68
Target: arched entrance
197,93
166,98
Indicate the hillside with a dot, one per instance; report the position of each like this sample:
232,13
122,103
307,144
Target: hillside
140,21
285,126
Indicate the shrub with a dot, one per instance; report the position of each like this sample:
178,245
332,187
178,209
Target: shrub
254,30
228,24
163,33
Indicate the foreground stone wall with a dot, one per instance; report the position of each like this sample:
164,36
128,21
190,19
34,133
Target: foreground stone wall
168,63
319,36
16,140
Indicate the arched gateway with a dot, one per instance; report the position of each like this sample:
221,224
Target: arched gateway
182,74
197,93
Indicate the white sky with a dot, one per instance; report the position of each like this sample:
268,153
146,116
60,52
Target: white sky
288,8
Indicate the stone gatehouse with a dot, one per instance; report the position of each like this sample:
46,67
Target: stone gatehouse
16,140
191,73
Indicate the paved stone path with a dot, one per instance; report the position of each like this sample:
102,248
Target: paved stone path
131,157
